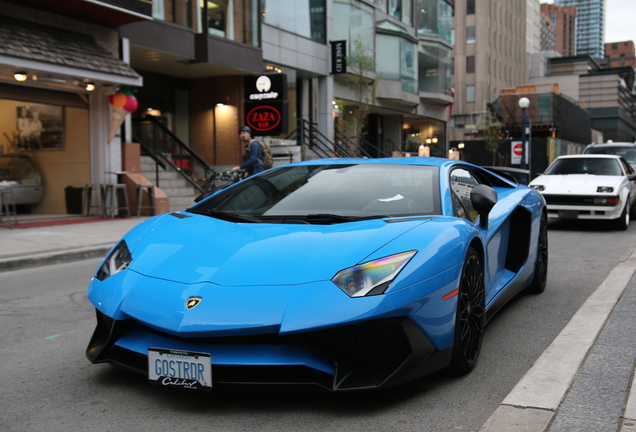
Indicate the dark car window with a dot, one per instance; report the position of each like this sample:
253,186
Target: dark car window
356,191
462,183
627,167
582,165
628,152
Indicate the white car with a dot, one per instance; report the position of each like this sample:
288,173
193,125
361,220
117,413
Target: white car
589,186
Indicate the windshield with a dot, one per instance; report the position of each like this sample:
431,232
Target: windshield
629,153
596,166
336,193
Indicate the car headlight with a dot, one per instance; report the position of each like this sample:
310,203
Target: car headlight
373,277
607,189
119,259
540,188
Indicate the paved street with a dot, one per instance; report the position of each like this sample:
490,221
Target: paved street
560,361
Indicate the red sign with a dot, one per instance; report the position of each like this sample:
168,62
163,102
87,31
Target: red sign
263,118
517,149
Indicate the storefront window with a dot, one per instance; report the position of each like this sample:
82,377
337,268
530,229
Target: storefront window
305,18
428,133
434,19
435,68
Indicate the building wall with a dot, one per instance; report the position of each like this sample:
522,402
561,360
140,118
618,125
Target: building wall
599,91
590,29
563,19
619,54
499,51
210,123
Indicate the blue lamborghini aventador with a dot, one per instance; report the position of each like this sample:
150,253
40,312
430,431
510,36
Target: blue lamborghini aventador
341,273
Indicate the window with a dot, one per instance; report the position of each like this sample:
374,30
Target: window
395,8
462,183
434,67
470,64
398,61
470,35
435,19
470,7
353,22
305,18
470,93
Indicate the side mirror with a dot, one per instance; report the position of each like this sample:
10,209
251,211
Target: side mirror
483,199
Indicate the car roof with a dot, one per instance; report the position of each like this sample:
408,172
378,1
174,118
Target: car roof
589,156
613,144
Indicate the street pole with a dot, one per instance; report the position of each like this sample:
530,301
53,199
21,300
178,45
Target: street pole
524,103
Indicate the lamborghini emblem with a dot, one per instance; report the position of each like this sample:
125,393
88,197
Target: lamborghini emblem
192,302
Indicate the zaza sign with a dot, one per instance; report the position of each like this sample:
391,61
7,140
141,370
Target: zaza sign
266,104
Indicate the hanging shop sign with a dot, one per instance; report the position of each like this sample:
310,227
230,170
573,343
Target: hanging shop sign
266,87
266,118
338,57
266,104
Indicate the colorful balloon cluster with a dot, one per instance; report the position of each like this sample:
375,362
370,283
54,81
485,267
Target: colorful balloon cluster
123,103
124,99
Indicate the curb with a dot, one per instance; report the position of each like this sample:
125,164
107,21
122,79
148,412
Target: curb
36,260
534,402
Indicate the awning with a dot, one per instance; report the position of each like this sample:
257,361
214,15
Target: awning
58,56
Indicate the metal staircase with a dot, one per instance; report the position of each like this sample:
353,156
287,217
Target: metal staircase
183,175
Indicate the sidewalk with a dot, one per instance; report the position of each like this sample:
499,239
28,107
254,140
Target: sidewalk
52,244
583,382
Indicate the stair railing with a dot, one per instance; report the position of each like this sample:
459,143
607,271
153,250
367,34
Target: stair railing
159,141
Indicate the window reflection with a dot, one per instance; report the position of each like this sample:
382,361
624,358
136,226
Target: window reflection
305,18
434,19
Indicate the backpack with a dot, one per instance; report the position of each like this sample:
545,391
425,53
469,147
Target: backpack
268,157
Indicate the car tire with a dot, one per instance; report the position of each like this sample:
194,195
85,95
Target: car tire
632,211
537,286
622,223
471,315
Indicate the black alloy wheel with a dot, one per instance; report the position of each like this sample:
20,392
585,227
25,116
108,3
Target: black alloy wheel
540,277
471,315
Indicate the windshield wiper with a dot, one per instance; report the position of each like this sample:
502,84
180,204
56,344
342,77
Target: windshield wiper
230,217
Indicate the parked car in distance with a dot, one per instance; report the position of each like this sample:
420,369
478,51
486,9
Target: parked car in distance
346,274
625,149
19,173
589,186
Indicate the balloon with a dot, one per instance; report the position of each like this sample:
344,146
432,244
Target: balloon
125,90
131,104
118,99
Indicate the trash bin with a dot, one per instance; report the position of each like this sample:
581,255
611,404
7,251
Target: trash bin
73,199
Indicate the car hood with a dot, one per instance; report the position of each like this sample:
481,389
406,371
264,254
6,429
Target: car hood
579,184
193,248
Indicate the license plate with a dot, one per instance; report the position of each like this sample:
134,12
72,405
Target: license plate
176,368
568,214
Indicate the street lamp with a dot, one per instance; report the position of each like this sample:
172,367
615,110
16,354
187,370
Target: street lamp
524,103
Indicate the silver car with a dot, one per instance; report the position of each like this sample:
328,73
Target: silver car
625,149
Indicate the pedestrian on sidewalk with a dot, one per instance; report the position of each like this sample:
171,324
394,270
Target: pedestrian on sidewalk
252,153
